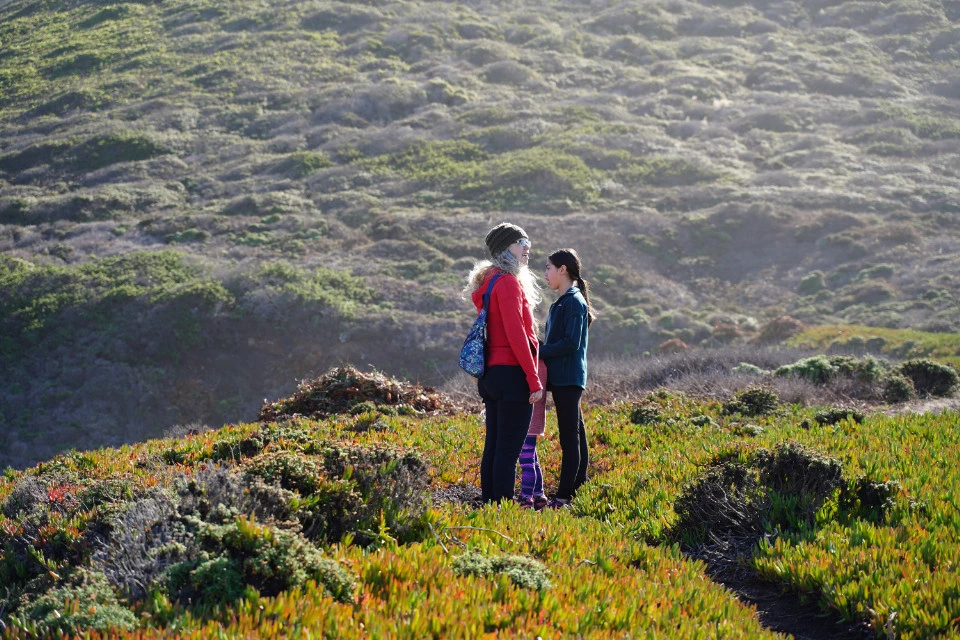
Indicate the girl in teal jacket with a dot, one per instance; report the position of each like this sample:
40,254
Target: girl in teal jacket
565,353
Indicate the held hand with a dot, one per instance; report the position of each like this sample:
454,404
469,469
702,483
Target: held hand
536,396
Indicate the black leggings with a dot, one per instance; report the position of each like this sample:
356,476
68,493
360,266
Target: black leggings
573,440
506,399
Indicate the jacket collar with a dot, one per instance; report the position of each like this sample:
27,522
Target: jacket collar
569,292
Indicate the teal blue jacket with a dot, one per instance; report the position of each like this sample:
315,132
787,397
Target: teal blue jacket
565,348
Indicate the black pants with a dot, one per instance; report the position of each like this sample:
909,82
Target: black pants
506,398
573,440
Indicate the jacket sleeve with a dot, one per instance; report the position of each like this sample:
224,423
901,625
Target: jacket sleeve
510,300
574,315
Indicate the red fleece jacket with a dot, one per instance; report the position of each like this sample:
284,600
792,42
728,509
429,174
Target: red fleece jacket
511,338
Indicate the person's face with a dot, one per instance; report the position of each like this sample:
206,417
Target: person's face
556,277
521,251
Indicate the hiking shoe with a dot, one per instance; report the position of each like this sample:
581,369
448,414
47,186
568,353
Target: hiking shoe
558,503
527,503
539,502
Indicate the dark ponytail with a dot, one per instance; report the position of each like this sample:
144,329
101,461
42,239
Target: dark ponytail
571,260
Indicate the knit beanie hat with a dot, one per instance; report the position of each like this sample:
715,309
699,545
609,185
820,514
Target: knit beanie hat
502,236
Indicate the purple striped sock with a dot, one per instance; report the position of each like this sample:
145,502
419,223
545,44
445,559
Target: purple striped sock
531,475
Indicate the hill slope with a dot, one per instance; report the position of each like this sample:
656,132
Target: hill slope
316,527
202,201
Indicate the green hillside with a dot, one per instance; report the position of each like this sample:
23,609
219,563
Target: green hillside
202,201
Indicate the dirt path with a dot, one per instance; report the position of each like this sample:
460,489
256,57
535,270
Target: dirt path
784,612
924,405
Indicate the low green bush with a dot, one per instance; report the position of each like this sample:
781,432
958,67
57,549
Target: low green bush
749,369
123,146
524,572
666,172
300,164
645,412
432,162
529,175
834,415
897,387
742,494
243,554
811,283
703,421
868,499
292,471
866,369
362,407
755,401
81,601
391,485
82,99
929,377
816,369
36,154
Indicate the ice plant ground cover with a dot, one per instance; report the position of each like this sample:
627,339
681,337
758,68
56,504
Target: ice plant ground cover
610,566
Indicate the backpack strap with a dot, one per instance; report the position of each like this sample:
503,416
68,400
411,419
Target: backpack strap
486,296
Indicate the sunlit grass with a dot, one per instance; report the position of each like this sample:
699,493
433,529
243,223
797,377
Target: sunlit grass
944,347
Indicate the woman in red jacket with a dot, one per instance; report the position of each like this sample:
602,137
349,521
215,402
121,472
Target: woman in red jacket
509,386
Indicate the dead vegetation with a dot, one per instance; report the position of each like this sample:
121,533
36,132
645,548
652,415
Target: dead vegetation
346,389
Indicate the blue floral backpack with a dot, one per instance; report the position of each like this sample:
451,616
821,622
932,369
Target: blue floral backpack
472,354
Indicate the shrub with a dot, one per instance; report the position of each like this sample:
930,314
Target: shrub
869,292
816,369
930,378
123,146
750,429
369,422
507,72
347,490
672,345
362,407
897,388
83,601
749,369
83,99
224,531
343,17
703,421
779,329
666,172
392,485
792,469
755,401
739,496
35,155
524,572
811,283
245,553
254,444
645,412
868,499
866,369
432,162
300,164
834,415
144,539
726,499
290,470
527,175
